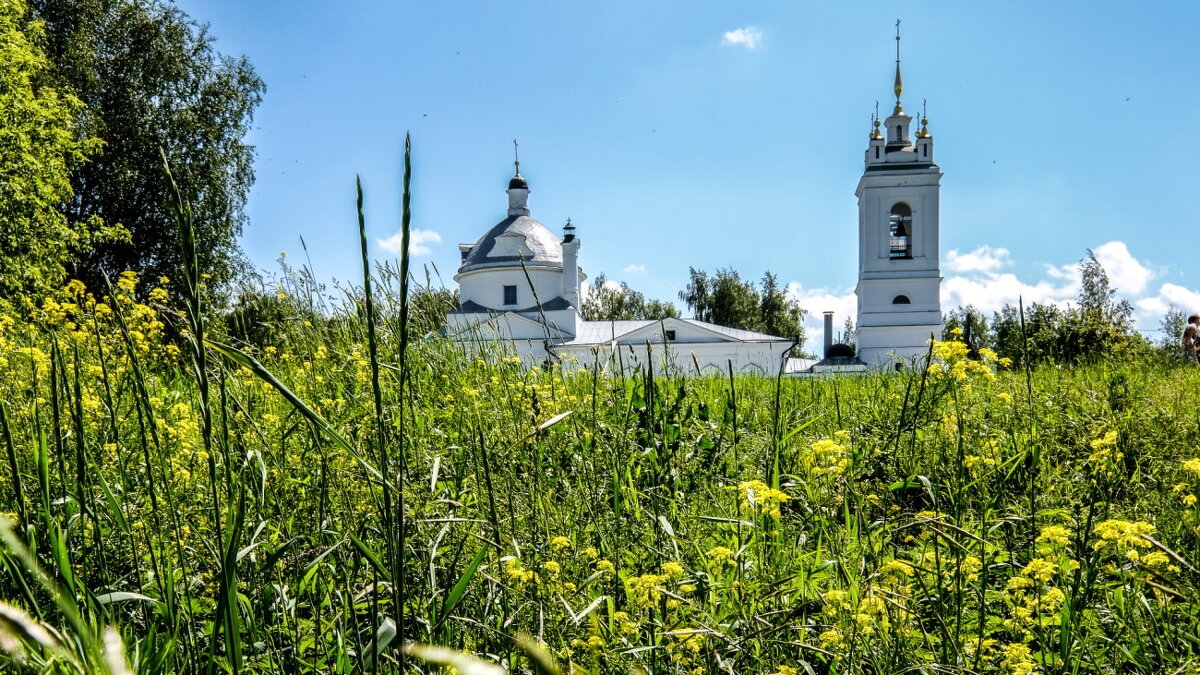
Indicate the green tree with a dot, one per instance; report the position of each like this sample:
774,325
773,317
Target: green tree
40,143
727,300
151,78
973,324
779,314
1099,327
1043,325
427,309
622,304
1172,325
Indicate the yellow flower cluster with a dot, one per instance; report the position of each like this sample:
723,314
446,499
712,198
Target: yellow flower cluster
1105,455
951,359
645,590
719,559
829,457
684,646
1124,534
1130,539
861,613
517,573
758,496
1018,659
1186,494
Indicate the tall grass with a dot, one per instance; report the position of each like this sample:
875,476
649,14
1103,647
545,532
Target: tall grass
317,503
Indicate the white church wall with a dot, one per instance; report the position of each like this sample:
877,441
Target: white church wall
486,286
675,358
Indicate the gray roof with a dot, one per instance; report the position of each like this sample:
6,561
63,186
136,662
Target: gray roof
546,249
597,332
472,307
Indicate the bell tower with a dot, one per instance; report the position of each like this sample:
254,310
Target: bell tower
899,278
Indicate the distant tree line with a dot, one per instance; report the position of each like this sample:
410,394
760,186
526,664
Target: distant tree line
1096,327
609,302
723,298
728,300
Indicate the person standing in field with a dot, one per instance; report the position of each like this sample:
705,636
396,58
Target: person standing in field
1191,340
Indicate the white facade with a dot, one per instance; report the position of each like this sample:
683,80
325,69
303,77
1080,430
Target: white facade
519,293
899,278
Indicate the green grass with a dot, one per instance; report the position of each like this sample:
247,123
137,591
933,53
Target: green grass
315,505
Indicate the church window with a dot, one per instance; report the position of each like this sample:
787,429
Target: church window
670,335
900,228
510,295
901,300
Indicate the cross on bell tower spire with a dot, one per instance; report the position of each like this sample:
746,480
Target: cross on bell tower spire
899,87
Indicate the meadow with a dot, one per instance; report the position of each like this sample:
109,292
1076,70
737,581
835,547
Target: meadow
181,503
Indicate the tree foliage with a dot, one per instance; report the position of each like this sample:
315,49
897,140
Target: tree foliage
151,78
1172,325
40,143
727,300
973,324
1098,327
605,303
427,308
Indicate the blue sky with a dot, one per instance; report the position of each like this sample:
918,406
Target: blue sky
730,134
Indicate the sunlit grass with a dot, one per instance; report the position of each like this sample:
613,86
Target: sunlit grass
302,506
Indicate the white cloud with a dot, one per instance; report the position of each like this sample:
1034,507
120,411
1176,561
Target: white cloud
817,301
1124,271
635,269
976,279
1152,308
586,289
748,37
989,292
983,259
418,241
1069,272
980,283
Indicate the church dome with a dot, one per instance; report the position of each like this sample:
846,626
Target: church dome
512,240
518,182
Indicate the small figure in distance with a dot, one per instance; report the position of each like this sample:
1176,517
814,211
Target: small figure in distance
1190,342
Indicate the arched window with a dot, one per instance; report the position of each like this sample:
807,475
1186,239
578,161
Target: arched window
901,300
900,227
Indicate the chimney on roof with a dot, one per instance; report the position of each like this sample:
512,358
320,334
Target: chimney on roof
828,333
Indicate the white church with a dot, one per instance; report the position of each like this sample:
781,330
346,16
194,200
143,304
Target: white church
520,284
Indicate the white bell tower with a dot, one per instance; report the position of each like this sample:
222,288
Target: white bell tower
899,279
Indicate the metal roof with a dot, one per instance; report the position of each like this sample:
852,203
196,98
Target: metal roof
599,332
545,248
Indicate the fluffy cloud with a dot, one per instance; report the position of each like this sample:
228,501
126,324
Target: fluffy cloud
418,242
635,269
975,278
989,292
1170,296
817,301
748,37
983,259
1125,273
980,283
